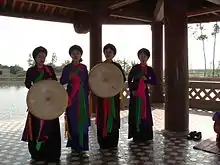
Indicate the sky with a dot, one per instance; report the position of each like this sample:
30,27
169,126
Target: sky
18,38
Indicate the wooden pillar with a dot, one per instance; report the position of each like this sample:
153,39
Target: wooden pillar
176,66
157,61
95,43
95,40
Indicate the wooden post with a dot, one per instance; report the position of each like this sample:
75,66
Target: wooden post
95,43
157,61
176,67
96,33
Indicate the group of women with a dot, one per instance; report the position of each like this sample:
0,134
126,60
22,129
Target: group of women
43,136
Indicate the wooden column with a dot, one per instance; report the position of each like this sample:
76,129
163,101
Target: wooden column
95,43
157,61
176,66
95,40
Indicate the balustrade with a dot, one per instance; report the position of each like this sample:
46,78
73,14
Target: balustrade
202,95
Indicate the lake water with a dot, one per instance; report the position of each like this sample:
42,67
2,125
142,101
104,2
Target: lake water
13,101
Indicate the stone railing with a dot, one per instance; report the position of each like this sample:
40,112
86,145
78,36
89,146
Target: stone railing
202,95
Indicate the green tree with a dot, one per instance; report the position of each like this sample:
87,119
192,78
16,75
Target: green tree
133,63
66,62
3,66
53,60
199,34
30,60
218,68
216,29
125,64
15,69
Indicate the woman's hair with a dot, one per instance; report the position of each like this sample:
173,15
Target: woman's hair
78,48
110,46
75,47
37,50
144,51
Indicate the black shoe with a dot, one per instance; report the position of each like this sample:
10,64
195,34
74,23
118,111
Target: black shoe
197,136
52,161
37,162
191,135
136,140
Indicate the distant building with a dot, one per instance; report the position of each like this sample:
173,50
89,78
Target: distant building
5,72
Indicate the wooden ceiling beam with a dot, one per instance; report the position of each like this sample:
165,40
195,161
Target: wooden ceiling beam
122,21
159,11
38,7
53,10
204,12
29,7
65,12
216,2
45,8
66,4
204,19
122,4
42,17
13,4
3,3
36,16
21,7
132,15
136,18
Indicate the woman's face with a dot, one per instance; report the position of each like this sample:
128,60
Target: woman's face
143,58
109,54
40,58
76,55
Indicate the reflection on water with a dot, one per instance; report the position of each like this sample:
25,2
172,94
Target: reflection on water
13,100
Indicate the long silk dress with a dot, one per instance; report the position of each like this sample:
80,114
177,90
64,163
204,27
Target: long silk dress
43,136
140,116
77,118
108,123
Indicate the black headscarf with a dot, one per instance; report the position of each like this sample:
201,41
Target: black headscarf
144,51
78,48
110,46
37,50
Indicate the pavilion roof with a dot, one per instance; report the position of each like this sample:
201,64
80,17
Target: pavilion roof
111,11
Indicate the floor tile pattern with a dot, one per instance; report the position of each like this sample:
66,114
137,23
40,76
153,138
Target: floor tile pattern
161,151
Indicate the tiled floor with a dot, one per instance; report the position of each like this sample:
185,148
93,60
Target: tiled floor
162,151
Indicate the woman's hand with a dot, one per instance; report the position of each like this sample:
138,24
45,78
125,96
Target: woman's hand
144,77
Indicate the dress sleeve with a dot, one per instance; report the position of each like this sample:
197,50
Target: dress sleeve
64,79
28,80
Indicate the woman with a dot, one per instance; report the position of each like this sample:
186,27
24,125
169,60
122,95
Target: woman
216,126
109,139
43,136
77,118
140,116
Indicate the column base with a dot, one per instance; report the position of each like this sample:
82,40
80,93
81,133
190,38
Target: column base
167,133
157,99
158,105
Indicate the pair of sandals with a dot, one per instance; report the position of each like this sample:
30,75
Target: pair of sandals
194,135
